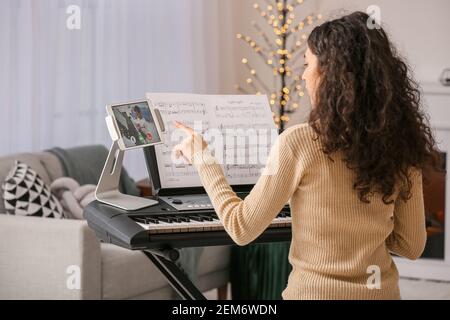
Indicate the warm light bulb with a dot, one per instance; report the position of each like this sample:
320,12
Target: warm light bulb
244,60
249,80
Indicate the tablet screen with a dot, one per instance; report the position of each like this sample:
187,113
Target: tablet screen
136,124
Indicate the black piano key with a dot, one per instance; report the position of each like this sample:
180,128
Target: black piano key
215,216
207,218
281,215
141,220
175,219
185,219
165,219
196,218
152,220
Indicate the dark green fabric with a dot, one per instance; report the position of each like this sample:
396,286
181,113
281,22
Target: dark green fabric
259,271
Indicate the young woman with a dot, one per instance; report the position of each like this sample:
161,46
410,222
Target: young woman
353,174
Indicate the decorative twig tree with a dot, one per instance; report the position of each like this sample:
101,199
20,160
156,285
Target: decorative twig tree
283,53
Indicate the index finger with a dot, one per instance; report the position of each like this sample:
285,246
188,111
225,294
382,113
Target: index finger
186,129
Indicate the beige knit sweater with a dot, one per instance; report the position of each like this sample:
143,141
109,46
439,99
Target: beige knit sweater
338,242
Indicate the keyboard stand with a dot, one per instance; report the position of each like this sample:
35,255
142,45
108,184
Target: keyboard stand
164,260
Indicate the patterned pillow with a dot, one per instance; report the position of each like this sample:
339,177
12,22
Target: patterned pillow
25,194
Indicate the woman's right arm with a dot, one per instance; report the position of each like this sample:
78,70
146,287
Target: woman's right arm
409,236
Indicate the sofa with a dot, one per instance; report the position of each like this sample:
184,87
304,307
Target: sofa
39,257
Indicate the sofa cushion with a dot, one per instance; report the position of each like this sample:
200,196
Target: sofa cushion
51,164
26,194
46,166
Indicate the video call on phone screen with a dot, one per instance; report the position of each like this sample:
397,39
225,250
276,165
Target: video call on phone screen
136,124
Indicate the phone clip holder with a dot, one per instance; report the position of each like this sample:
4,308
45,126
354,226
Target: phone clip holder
107,190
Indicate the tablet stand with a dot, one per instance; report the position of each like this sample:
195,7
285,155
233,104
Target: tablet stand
108,186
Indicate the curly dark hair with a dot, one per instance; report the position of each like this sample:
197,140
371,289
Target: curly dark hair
368,106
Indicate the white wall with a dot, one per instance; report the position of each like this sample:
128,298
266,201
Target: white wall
420,29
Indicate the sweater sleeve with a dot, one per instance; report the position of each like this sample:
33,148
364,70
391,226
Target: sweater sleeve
244,220
409,236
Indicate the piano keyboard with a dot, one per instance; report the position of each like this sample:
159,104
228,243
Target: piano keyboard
195,222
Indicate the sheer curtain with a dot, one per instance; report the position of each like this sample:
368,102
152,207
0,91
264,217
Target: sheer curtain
55,82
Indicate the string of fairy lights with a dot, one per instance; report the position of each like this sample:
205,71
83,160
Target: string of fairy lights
282,50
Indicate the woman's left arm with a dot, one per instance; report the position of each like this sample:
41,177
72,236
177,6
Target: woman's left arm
244,220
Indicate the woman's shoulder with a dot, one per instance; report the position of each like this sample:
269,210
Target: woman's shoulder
299,138
302,131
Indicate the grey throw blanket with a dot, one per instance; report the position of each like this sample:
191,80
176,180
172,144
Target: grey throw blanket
85,165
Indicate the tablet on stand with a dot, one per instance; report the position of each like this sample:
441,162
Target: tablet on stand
131,125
